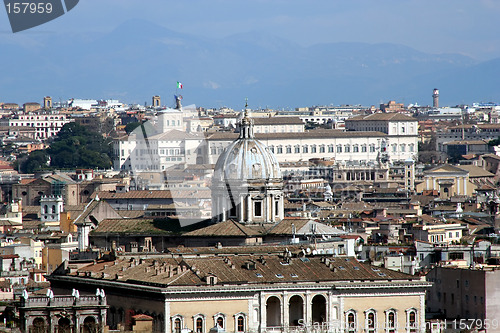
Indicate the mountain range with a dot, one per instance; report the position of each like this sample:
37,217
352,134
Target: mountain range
139,59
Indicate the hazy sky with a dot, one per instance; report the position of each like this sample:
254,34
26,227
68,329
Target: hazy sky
469,27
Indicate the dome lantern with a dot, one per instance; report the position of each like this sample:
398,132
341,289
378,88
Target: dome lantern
247,184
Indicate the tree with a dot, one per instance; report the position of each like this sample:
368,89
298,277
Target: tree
130,127
38,160
74,147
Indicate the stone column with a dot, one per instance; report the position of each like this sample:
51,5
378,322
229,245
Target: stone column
272,213
224,217
263,313
308,309
242,209
167,316
249,208
285,311
265,202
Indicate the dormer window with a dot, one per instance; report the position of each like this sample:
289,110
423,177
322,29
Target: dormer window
211,280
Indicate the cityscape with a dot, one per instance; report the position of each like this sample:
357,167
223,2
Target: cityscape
249,167
179,218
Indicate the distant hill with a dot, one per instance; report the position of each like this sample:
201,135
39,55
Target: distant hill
140,59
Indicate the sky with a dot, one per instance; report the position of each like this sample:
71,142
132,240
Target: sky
468,27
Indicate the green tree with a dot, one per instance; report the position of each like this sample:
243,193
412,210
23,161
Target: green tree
74,147
131,126
36,161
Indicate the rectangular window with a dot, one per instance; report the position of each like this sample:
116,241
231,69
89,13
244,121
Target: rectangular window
257,211
321,149
280,150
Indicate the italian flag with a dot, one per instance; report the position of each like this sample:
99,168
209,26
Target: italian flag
179,85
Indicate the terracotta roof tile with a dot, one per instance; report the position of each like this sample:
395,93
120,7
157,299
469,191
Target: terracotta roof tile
227,228
260,269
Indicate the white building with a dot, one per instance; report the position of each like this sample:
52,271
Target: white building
159,151
43,125
85,104
393,124
329,144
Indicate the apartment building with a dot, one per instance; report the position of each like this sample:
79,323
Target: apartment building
38,126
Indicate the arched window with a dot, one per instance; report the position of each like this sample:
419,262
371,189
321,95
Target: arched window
64,325
239,321
390,321
411,321
39,325
351,321
90,325
297,149
46,209
177,323
313,149
271,148
371,321
339,148
363,149
220,320
322,149
355,149
347,148
199,323
305,149
280,149
53,209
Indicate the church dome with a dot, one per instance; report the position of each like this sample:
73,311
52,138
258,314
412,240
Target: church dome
247,158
